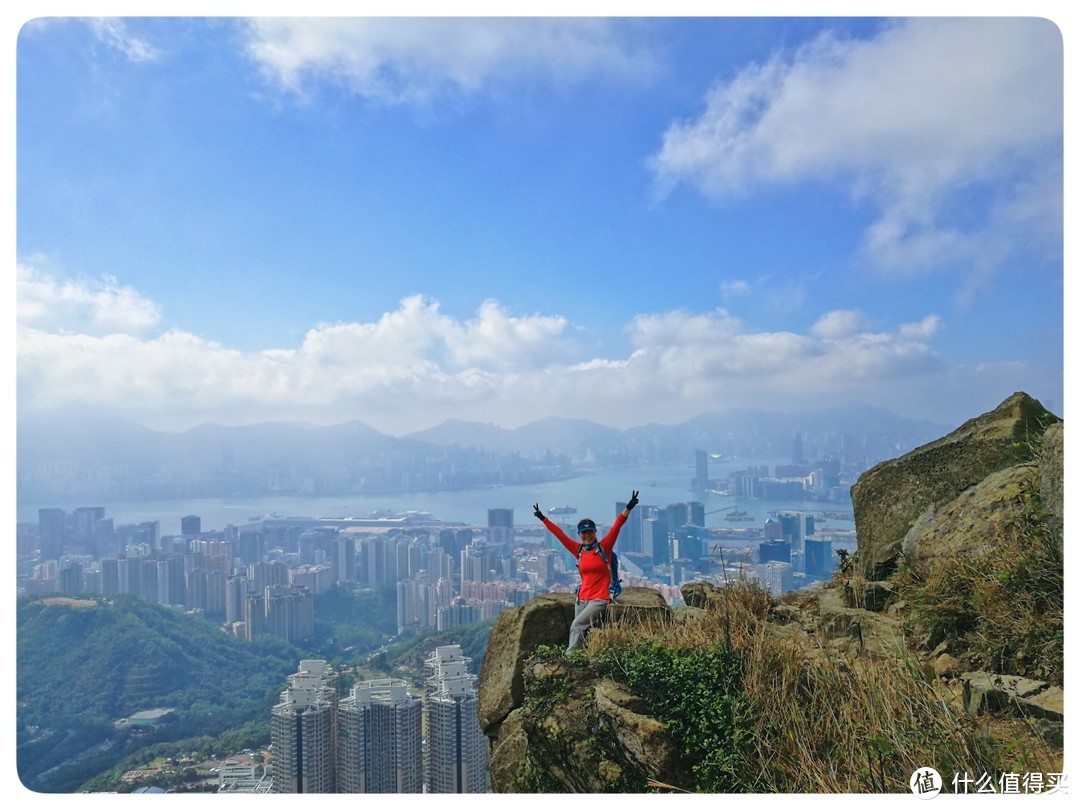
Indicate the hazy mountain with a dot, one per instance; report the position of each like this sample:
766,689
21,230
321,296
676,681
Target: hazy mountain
80,456
484,436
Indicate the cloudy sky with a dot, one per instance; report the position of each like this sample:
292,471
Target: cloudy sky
626,220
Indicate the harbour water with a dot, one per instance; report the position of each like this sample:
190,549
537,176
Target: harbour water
593,495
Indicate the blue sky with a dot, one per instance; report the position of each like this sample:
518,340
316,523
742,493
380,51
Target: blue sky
626,220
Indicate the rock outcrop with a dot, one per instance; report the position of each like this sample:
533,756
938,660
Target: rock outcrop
989,692
581,734
905,494
555,726
544,620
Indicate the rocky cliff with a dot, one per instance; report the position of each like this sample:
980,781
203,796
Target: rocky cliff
981,505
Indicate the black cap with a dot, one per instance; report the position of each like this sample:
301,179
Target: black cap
584,525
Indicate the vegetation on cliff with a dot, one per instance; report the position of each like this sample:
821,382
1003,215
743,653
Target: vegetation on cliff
1002,610
752,710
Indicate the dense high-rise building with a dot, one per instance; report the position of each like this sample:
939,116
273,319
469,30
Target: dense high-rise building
379,739
655,536
70,578
262,574
52,531
678,515
345,559
479,562
86,527
254,615
778,577
500,528
190,525
700,482
690,545
303,731
697,513
171,584
289,612
236,591
630,538
457,752
249,546
375,562
818,560
796,527
215,593
454,541
774,551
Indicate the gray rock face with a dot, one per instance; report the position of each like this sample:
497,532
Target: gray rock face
644,738
1052,479
988,692
545,619
639,605
581,734
698,594
889,498
969,522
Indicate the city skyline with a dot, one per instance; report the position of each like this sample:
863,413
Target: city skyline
619,219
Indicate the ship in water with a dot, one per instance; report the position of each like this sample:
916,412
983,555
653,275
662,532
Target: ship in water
562,510
737,515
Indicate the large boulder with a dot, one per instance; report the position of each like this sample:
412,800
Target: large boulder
699,594
580,733
544,619
889,498
639,606
970,522
644,739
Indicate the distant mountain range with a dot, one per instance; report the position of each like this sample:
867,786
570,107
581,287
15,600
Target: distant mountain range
81,454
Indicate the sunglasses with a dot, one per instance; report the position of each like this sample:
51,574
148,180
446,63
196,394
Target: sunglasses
586,531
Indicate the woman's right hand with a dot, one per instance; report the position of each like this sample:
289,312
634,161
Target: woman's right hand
537,512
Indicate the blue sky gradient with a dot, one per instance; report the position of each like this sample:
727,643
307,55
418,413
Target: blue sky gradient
625,220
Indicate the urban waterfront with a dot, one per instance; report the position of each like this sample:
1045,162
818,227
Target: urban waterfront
592,494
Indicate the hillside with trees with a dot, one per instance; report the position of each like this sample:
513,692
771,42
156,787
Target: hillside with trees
86,666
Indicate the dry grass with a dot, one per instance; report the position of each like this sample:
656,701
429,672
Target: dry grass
830,723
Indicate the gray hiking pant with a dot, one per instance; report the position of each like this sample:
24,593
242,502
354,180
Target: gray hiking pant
586,615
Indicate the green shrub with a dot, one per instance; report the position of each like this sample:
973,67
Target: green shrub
697,692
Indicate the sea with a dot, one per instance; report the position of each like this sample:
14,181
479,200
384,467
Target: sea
592,494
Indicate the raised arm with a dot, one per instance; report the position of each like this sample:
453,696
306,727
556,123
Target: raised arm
608,541
556,530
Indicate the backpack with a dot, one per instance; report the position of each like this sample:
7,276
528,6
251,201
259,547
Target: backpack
615,586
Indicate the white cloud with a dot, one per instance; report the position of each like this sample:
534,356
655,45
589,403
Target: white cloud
734,288
415,60
113,32
921,330
840,323
96,308
928,110
416,366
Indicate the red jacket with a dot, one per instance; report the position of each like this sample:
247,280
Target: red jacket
595,574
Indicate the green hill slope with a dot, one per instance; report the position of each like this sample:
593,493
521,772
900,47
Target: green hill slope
84,665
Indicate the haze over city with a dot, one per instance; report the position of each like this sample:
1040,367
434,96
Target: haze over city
621,220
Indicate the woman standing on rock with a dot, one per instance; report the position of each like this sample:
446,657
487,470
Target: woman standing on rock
594,565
